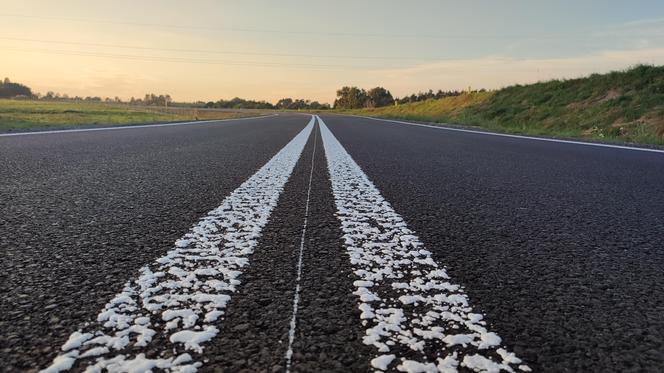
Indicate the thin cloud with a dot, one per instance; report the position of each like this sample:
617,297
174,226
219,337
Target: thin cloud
494,71
644,22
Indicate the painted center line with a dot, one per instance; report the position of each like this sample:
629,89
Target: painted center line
296,295
417,320
164,318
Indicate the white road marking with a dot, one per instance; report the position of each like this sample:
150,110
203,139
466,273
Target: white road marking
164,317
296,296
129,127
601,145
409,307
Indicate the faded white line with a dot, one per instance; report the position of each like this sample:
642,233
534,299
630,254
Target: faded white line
296,295
163,319
129,127
417,320
624,147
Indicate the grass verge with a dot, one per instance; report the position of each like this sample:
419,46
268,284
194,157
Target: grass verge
26,115
621,106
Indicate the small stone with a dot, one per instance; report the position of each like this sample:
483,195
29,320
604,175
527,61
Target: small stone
241,328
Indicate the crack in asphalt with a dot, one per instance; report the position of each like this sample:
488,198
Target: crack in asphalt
296,295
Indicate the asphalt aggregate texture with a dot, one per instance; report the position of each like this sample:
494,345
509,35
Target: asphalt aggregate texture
253,335
82,212
560,245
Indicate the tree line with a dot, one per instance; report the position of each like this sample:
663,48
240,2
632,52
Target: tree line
284,103
357,98
348,97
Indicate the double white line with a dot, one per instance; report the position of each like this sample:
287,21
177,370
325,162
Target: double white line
417,320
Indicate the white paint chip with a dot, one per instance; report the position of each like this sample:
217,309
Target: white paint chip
382,362
298,279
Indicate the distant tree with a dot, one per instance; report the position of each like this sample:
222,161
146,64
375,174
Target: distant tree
284,103
9,89
299,104
379,96
315,105
239,103
428,95
151,99
350,98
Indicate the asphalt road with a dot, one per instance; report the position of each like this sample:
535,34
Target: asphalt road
558,246
82,212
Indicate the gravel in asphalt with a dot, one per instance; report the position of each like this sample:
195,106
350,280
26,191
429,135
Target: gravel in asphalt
82,212
253,336
559,245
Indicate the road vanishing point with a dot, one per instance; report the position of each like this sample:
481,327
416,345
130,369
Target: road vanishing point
304,243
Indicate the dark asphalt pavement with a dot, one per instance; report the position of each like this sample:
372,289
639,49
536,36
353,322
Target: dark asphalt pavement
256,326
559,245
82,212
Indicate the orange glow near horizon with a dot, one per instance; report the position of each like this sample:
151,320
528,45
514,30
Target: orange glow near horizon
262,51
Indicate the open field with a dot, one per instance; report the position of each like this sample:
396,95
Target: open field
21,115
626,106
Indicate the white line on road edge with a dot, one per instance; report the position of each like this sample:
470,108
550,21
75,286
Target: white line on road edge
519,136
160,319
296,296
414,317
130,127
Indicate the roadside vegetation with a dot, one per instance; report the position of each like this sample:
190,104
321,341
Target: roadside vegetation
21,115
625,106
622,106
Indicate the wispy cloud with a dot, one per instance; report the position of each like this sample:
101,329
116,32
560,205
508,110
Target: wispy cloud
496,71
644,22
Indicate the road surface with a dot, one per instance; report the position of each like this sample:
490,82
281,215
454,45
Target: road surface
298,243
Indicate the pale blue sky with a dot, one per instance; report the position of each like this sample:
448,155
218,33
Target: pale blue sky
273,49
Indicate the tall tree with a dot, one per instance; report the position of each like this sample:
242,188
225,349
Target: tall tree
284,103
9,89
350,98
379,96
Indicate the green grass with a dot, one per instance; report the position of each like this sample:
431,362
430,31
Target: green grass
21,115
625,106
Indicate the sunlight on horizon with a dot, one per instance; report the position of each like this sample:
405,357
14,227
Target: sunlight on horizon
260,50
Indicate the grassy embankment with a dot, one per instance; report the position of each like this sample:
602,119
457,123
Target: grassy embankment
625,106
22,115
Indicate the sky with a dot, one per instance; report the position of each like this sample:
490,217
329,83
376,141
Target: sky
216,49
